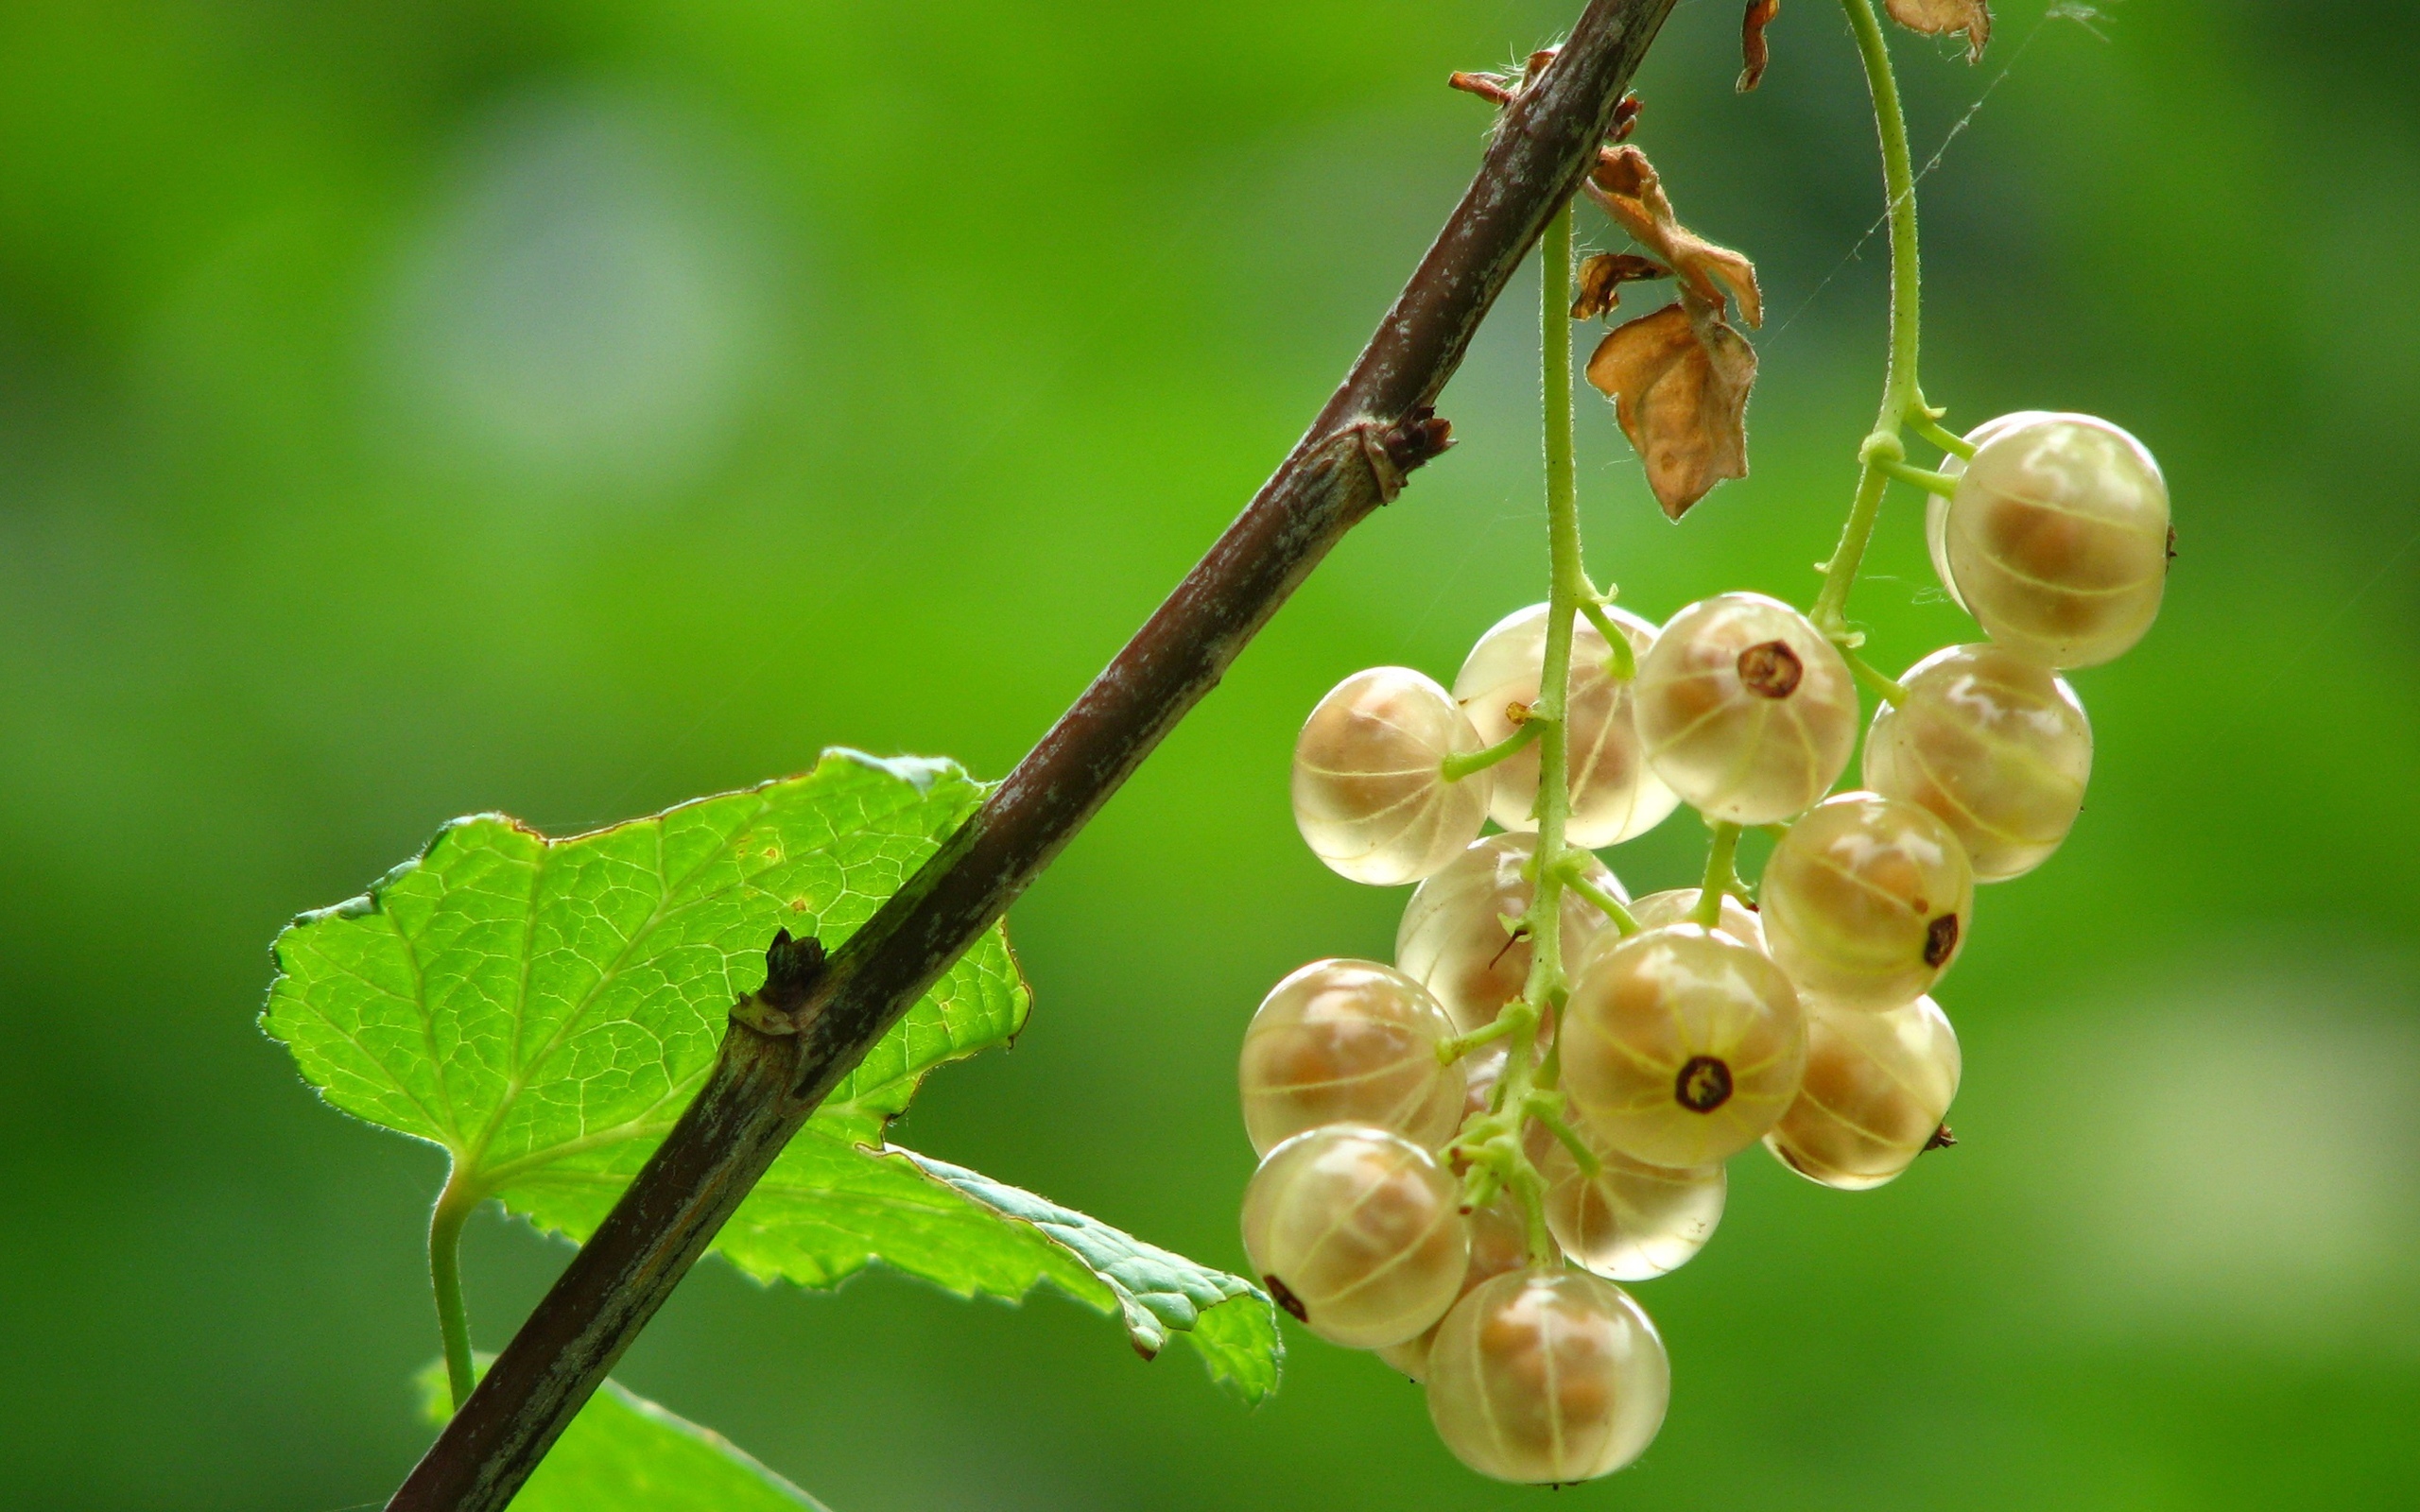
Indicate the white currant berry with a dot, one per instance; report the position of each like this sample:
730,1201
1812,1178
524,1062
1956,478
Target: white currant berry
1499,1243
1867,901
1453,939
2057,539
1547,1377
1994,745
1631,1221
1613,795
1358,1232
1349,1042
1877,1086
1937,506
1746,711
1370,796
1681,1045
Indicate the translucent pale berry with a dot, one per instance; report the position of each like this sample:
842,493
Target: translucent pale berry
1499,1243
1368,797
1349,1042
1937,506
1358,1232
1613,795
1746,711
1994,745
1547,1377
1681,1045
1453,940
1866,900
1631,1221
1878,1086
2057,539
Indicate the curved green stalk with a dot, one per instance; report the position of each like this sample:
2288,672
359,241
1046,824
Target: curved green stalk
1931,482
1457,768
1884,686
1925,424
455,1206
1621,662
1718,883
1492,1141
1900,399
1606,903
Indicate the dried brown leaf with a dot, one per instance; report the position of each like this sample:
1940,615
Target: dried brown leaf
1754,54
1939,18
1624,183
1679,379
1601,278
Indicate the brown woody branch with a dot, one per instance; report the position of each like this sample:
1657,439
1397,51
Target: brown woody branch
790,1043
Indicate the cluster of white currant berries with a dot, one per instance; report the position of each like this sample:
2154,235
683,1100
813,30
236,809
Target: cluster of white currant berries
1454,1174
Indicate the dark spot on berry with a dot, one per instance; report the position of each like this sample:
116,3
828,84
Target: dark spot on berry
1770,670
1287,1299
1942,1139
1941,940
2172,543
1703,1084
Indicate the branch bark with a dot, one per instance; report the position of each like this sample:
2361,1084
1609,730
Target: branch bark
789,1044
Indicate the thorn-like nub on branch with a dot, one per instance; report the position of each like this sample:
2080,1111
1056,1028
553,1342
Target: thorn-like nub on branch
1625,117
1486,86
792,967
1419,436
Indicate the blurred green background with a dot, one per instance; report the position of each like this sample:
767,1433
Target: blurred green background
569,409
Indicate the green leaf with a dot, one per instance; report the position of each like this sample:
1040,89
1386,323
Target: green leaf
519,1000
1228,1320
543,1009
624,1453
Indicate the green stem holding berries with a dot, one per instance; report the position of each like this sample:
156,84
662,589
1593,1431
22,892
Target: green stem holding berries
1606,903
455,1206
1931,482
1902,401
1492,1142
1720,858
1459,766
1881,684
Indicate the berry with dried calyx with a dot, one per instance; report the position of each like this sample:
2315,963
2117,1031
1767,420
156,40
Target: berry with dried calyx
2057,539
1681,1045
1370,793
1747,712
1546,1378
1867,901
1454,940
1343,1042
1613,794
1878,1086
1358,1232
1499,1243
1995,745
